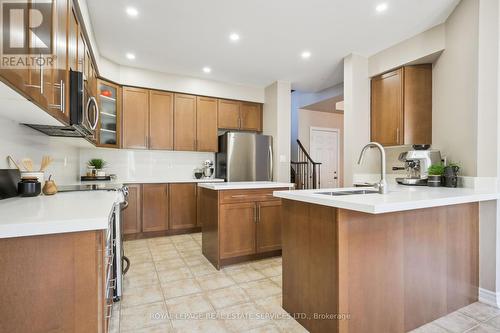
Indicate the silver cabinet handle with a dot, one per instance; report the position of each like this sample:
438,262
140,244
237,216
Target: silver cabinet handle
62,97
239,196
270,176
258,212
397,135
41,79
255,213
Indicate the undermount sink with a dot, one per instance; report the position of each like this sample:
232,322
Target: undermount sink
350,192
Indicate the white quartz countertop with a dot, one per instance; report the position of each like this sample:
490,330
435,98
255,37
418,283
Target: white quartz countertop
59,213
399,198
244,185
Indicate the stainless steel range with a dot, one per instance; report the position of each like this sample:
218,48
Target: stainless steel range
118,262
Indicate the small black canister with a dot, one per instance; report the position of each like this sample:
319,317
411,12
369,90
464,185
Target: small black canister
450,176
29,187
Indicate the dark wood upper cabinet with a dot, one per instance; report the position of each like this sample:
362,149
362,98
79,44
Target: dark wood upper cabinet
185,122
401,106
135,118
161,120
418,104
251,116
387,108
268,226
182,206
154,207
206,124
228,114
132,215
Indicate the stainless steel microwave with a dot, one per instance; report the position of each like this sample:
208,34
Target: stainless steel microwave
83,111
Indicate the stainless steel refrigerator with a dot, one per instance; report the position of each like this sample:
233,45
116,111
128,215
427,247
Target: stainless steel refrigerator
244,157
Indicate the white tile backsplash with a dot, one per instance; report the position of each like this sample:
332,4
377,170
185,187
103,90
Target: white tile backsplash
135,165
21,142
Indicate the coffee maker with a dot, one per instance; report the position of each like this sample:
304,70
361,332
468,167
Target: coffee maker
417,161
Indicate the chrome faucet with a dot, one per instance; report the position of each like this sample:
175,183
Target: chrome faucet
382,184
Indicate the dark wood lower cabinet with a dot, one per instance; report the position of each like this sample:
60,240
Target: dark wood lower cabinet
53,283
154,207
160,210
240,225
182,206
132,216
237,229
268,226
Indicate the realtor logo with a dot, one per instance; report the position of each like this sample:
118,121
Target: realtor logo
26,28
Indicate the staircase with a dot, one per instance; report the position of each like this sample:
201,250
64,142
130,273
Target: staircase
305,173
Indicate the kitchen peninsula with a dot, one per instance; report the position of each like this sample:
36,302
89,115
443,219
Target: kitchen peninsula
382,262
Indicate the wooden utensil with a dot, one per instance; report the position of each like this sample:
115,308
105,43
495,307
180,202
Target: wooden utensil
28,164
13,162
46,161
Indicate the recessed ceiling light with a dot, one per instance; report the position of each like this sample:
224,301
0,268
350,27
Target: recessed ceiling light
207,69
131,11
130,56
234,37
305,55
382,7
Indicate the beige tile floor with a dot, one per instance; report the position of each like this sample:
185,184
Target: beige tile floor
171,287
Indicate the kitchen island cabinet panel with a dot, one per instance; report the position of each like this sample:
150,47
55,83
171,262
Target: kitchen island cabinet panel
237,229
268,232
240,224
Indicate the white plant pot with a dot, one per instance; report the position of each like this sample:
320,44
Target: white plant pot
101,173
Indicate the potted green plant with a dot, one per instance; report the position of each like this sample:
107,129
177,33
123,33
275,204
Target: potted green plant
435,175
98,164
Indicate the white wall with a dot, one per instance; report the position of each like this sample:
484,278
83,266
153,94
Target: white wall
21,142
356,116
423,45
311,118
454,91
277,122
144,165
301,99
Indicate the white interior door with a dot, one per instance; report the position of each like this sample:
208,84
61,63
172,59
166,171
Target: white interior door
324,147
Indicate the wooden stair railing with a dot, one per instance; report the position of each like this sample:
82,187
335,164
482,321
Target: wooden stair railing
305,172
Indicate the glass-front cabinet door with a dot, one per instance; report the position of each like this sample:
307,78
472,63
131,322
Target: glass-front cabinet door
109,114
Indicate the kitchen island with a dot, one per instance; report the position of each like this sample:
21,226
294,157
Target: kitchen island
240,221
379,262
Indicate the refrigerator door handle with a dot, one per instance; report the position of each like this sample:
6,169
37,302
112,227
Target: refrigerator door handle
270,176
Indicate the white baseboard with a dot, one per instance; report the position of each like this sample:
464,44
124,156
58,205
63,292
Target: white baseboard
489,297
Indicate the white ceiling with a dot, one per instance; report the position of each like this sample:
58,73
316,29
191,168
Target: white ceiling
181,37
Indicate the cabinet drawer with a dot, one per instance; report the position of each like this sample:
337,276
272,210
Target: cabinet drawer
235,196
